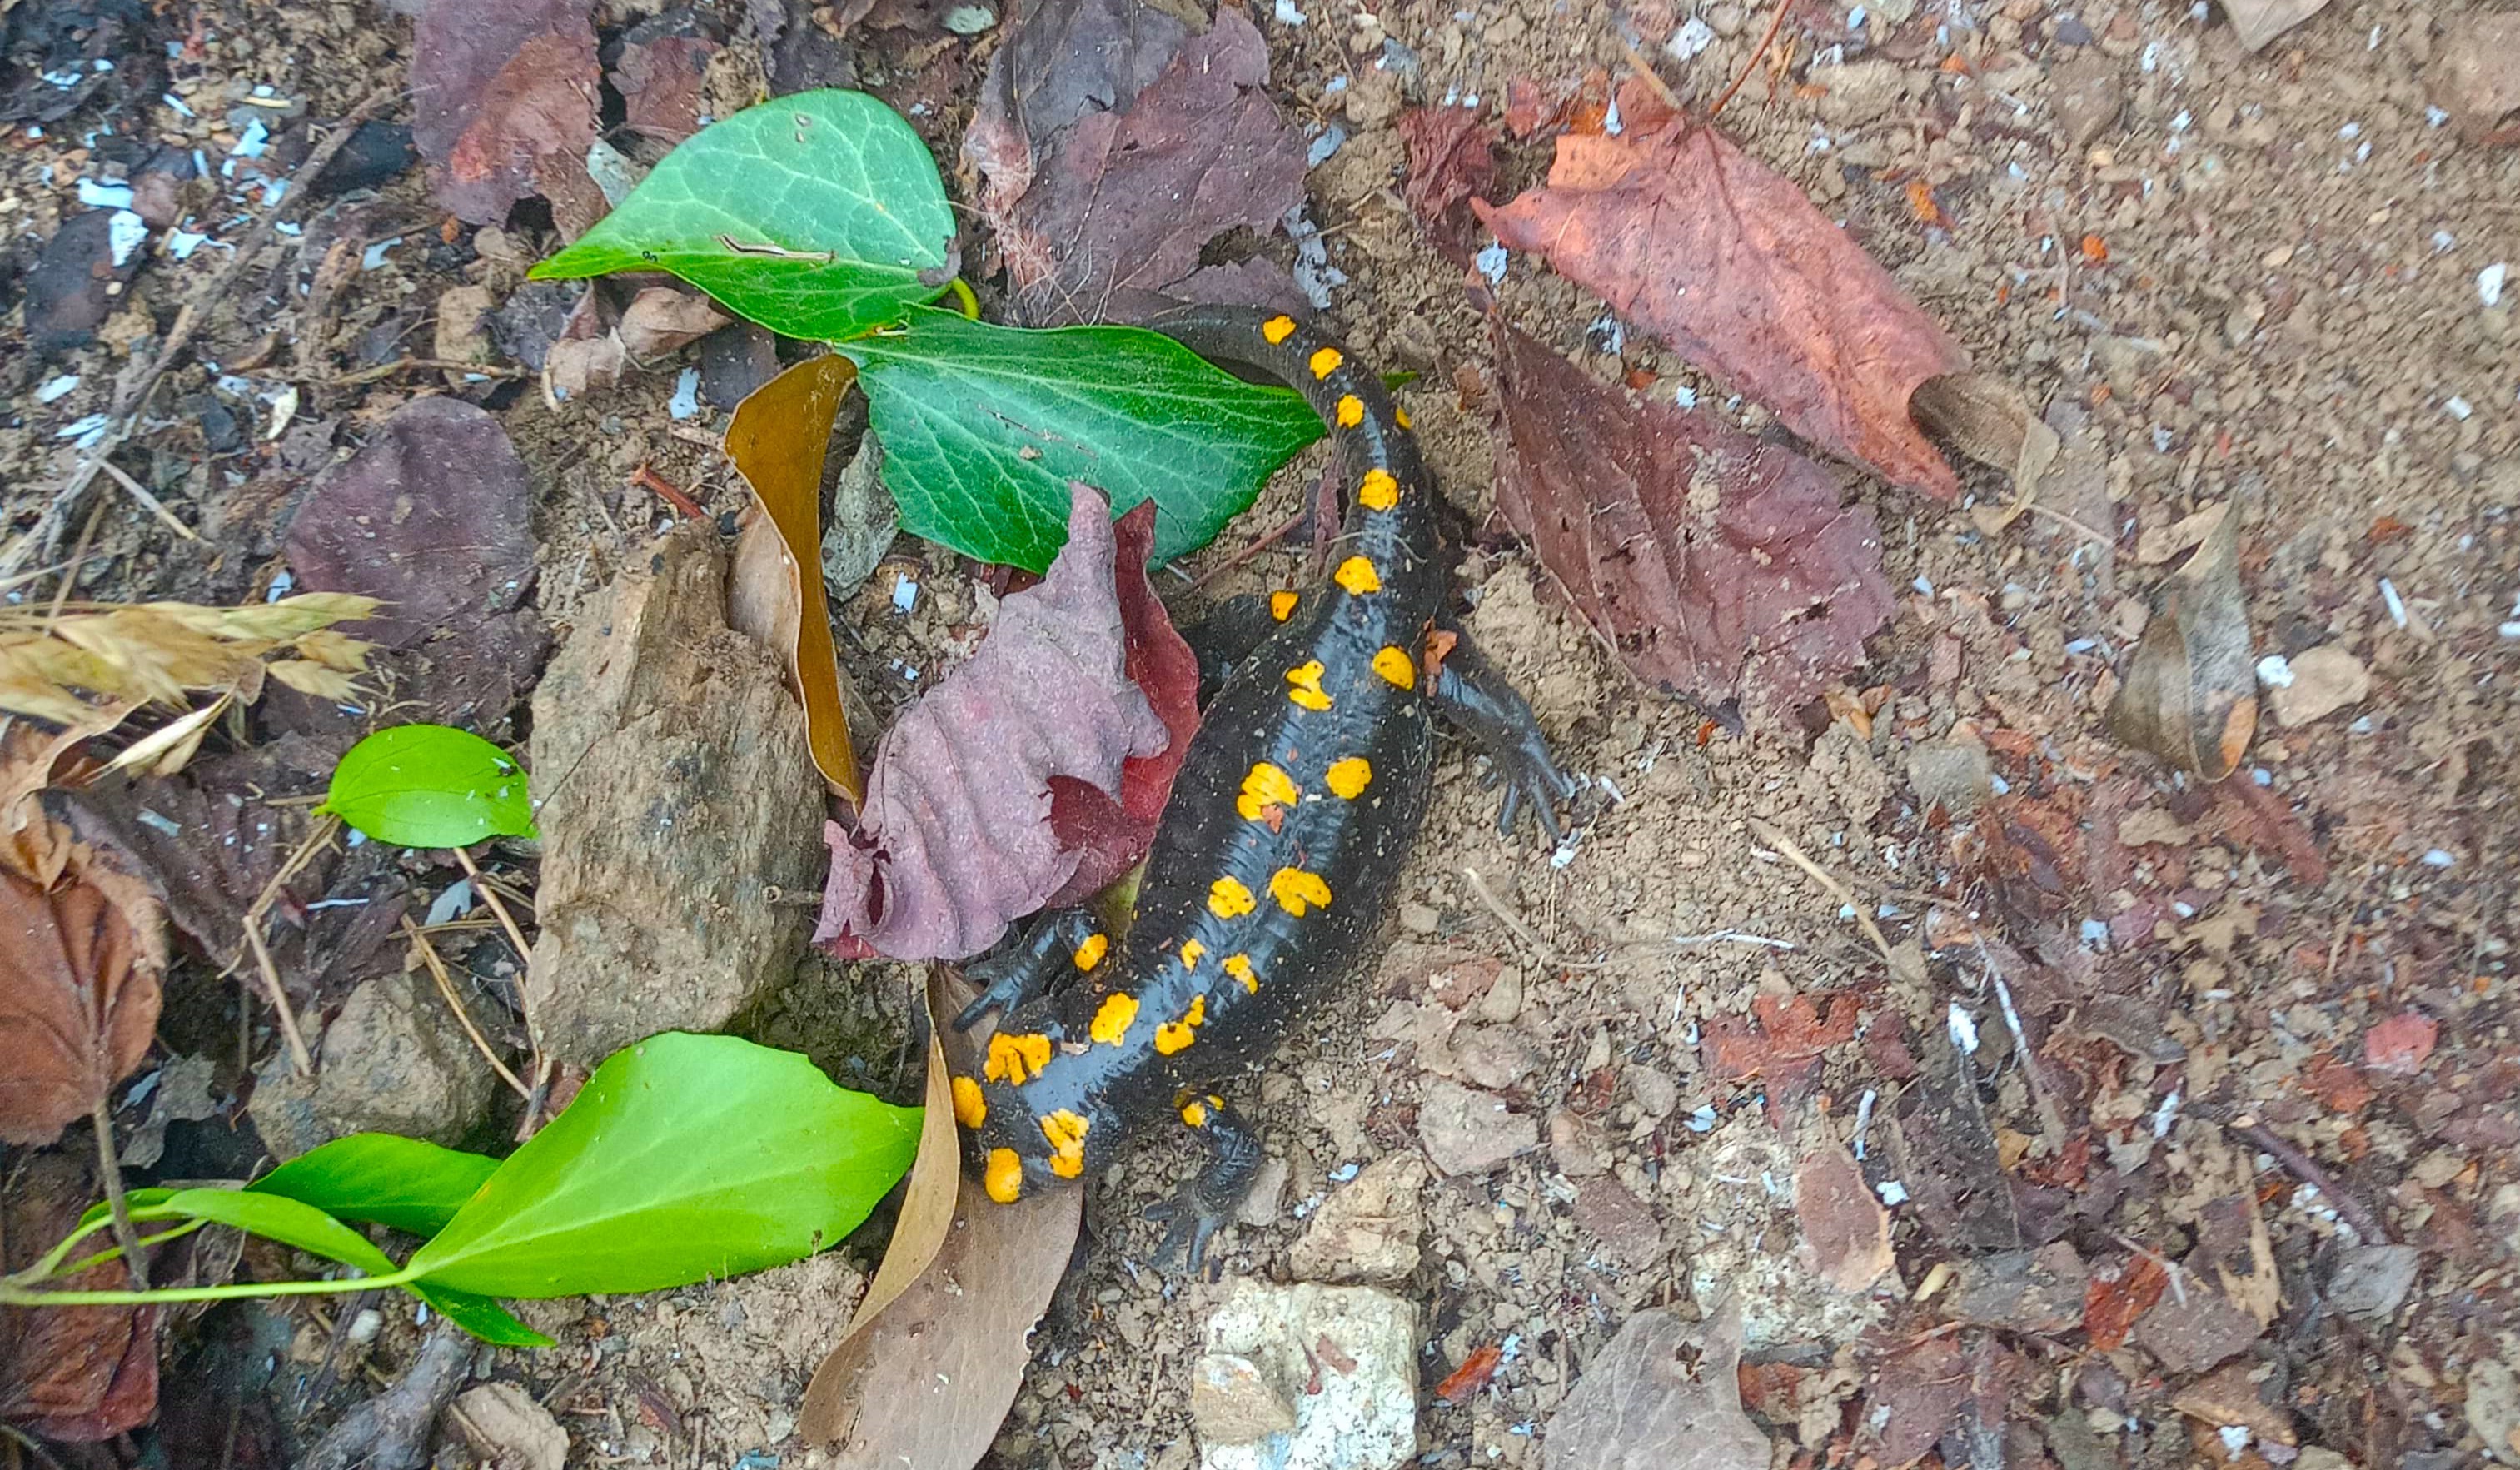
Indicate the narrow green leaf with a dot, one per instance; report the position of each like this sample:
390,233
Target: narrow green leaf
983,426
386,1178
430,785
274,1217
813,214
684,1158
484,1318
132,1199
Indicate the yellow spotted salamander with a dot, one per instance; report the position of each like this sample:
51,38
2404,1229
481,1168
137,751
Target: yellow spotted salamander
1284,835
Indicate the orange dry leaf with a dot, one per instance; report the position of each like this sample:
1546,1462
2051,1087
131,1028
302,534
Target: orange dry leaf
78,996
1694,241
2110,1307
1464,1383
2095,248
1921,203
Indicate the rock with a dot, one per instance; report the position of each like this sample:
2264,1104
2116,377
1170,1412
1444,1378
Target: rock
1859,92
1267,1194
1623,1224
1345,1357
667,723
1372,96
395,1061
1493,1058
862,524
464,323
2494,1407
1656,1093
1231,1402
508,1430
2150,826
283,1109
2372,1280
1469,1132
2324,680
2194,1335
2086,97
1368,1230
1951,773
1577,1144
1454,978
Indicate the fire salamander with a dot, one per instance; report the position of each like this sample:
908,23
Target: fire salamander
1285,836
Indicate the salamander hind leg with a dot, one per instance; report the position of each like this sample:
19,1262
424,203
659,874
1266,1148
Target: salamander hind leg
1474,697
1061,944
1212,1196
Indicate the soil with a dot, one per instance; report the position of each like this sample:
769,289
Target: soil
2256,281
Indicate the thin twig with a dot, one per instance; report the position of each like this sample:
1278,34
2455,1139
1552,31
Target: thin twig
1645,74
435,963
524,961
1268,539
28,1442
382,371
1548,954
316,839
2306,1169
151,503
1765,41
133,395
109,1169
1769,835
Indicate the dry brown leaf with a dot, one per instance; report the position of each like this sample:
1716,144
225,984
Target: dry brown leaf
661,320
2190,696
1847,1229
776,439
2476,76
79,967
77,1374
2258,21
1665,1395
496,89
1691,239
926,1375
1992,421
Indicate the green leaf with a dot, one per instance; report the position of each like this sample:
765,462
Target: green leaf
274,1217
815,214
132,1199
684,1158
386,1178
480,1315
983,426
430,785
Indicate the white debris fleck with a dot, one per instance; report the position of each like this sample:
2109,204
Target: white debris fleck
56,389
375,253
1288,14
1491,263
2274,671
2489,282
1324,143
2435,117
181,243
253,141
97,195
2458,408
2443,240
2235,1439
2440,858
1684,395
281,585
905,594
176,104
1963,1028
686,402
2397,603
2350,131
1691,38
124,233
80,428
1892,1192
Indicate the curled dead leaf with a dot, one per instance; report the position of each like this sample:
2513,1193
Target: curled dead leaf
1992,421
2189,694
778,438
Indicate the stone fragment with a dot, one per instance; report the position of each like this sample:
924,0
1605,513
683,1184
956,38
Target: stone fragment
1344,1357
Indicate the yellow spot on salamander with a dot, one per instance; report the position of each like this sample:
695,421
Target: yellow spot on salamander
1003,1178
1265,787
1194,1113
1395,665
1227,898
1016,1058
1304,686
971,1109
1324,360
1111,1023
1349,777
1089,954
1175,1036
1400,416
1065,1131
1277,330
1282,605
1295,890
1350,411
1191,951
1377,491
1239,968
1358,576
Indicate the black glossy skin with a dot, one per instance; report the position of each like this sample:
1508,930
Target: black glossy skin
1355,846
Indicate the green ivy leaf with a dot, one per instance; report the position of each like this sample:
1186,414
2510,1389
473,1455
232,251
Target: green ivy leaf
819,215
983,426
386,1178
430,785
684,1158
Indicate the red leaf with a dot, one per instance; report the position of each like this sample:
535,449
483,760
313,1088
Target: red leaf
1464,1383
2110,1307
78,996
2401,1044
2337,1083
1846,1227
77,1374
1113,836
1721,568
1694,241
1450,159
956,839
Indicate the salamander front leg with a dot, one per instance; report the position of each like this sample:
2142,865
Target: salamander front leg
1478,700
1062,944
1212,1196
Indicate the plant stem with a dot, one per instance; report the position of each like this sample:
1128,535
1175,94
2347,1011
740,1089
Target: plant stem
969,303
114,1251
109,1169
12,1294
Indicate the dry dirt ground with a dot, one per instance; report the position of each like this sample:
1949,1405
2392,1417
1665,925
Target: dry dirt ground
2257,282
